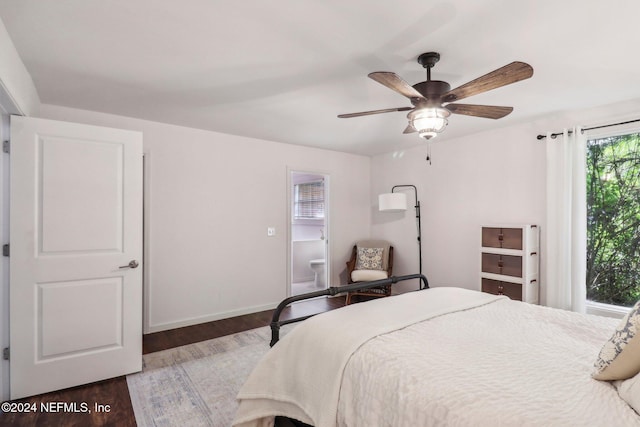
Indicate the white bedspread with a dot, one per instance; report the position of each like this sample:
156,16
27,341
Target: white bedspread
300,377
491,361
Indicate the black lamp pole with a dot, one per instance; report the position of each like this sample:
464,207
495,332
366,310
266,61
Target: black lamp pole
415,191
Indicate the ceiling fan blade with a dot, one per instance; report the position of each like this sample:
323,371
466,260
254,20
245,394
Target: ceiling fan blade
486,111
395,82
410,129
368,113
506,75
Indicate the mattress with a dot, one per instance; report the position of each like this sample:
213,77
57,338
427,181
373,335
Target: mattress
438,357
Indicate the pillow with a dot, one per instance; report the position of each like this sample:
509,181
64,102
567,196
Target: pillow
619,358
369,259
629,391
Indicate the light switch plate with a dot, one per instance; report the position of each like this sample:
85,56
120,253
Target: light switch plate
271,231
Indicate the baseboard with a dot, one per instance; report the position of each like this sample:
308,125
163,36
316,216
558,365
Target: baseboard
210,318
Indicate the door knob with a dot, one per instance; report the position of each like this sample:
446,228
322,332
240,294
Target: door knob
132,264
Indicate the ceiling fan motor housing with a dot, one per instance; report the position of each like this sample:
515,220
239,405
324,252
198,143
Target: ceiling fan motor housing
432,89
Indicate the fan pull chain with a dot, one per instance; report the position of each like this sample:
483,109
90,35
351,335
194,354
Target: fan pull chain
428,159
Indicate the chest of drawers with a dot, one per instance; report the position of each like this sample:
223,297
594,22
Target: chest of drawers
510,261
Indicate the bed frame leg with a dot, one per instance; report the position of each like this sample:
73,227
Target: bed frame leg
275,333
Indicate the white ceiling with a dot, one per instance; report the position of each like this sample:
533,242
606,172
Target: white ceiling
282,70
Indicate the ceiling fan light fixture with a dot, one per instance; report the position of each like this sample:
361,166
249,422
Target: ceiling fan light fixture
428,116
429,122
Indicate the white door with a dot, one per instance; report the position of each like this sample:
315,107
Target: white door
75,254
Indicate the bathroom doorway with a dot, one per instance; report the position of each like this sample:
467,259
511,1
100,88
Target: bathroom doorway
308,232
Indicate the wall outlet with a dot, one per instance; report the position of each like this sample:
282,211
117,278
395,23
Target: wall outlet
271,231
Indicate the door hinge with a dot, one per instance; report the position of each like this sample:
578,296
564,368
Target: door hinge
5,250
5,353
6,147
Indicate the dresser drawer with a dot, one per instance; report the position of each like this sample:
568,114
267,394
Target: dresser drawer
507,238
496,287
508,265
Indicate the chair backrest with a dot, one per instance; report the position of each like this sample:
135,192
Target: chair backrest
377,244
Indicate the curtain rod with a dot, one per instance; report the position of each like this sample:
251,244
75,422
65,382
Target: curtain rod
553,135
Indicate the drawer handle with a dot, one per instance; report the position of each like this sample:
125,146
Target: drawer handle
500,236
533,253
533,281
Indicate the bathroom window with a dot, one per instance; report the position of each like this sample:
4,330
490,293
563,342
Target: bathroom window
308,200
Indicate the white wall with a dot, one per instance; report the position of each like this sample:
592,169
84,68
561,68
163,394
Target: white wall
496,177
307,231
211,197
302,251
17,90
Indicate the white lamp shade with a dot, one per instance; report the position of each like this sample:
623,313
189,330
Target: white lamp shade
392,202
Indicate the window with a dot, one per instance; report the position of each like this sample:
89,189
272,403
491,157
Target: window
308,200
613,219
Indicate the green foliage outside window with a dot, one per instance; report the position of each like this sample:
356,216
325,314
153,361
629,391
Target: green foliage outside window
613,219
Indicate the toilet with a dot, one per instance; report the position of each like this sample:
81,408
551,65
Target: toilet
317,265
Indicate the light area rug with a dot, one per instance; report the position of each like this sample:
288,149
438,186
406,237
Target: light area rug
197,384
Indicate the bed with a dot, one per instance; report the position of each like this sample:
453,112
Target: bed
439,357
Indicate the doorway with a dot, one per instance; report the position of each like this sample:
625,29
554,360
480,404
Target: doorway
308,232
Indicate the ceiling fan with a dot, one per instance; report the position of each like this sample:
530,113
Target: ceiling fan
433,99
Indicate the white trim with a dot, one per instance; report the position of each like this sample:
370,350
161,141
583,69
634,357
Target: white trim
146,244
607,310
210,318
593,307
18,94
4,262
8,104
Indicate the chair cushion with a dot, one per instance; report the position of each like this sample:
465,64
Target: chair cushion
368,275
619,358
369,258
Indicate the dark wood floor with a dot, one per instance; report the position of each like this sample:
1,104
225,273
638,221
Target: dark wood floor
114,392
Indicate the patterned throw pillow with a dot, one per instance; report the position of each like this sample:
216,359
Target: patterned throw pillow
369,259
619,358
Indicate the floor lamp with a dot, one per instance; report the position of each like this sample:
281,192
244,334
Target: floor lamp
397,202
